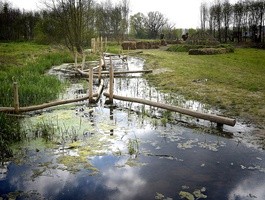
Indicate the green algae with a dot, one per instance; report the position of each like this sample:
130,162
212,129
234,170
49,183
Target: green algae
186,195
76,163
162,197
197,194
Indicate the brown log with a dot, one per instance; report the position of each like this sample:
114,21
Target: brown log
100,89
90,88
127,72
45,105
209,117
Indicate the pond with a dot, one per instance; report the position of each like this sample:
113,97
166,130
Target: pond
131,151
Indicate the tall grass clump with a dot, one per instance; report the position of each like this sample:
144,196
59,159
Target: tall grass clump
34,86
26,64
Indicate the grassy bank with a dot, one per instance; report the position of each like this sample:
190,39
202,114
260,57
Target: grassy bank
232,82
26,63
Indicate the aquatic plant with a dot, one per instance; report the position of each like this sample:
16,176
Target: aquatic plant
45,130
164,121
133,146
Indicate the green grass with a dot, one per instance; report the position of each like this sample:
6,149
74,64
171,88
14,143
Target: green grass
26,63
235,81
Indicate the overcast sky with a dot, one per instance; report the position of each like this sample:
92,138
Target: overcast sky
181,13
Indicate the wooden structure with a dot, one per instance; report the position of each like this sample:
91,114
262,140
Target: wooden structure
93,98
213,118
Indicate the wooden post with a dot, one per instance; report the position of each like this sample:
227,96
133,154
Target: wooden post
99,69
90,89
16,98
111,81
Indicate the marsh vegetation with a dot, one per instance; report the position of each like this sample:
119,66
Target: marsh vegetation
109,150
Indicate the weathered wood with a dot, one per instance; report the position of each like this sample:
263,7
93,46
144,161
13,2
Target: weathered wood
111,81
100,89
16,98
90,89
45,105
86,73
209,117
127,72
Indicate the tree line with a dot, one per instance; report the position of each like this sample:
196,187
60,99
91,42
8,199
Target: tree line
75,22
242,20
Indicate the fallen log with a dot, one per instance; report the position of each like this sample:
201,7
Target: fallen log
127,72
86,73
45,105
100,89
213,118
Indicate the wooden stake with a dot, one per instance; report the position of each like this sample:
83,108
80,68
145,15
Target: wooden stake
90,89
99,69
16,98
111,82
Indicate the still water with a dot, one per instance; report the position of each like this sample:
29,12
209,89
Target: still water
131,151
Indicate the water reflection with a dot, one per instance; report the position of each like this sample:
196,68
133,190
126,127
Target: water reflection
249,188
172,157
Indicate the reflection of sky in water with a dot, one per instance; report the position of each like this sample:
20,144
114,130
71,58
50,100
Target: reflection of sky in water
175,159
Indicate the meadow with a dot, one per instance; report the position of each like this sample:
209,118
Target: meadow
232,82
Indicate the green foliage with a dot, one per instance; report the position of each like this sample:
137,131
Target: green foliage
9,132
26,64
34,86
133,146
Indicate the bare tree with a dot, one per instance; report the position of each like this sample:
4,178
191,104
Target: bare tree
238,16
154,22
227,13
72,19
203,15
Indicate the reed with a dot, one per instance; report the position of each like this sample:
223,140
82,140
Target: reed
26,64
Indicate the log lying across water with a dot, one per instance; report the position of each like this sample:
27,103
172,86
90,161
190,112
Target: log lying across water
45,105
213,118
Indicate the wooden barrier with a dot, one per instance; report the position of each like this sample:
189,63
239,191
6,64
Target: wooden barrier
213,118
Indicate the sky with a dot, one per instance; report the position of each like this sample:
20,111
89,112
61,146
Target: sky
181,13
